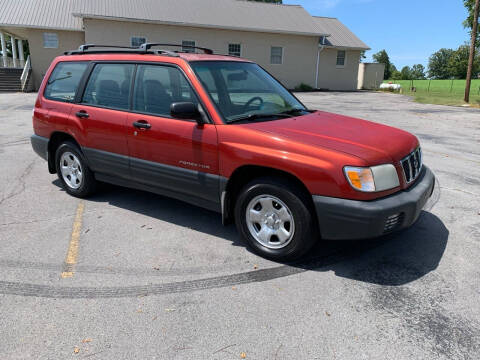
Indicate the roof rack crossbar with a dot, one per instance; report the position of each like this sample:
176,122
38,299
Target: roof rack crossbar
147,46
165,52
88,46
142,49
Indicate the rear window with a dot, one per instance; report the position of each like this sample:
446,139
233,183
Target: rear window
64,80
109,86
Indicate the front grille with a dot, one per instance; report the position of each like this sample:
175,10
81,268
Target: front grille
412,165
393,222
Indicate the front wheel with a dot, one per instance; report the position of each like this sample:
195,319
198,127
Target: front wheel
274,218
72,170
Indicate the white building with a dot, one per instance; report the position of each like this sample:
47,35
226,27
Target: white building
285,39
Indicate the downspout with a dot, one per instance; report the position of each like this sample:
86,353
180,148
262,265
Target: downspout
320,49
321,46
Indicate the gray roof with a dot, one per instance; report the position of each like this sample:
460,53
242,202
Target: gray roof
340,35
44,14
225,14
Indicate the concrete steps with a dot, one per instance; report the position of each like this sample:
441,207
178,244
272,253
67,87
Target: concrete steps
10,80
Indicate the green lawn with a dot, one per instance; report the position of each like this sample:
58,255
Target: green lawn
443,92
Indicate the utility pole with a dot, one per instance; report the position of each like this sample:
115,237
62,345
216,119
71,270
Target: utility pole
472,51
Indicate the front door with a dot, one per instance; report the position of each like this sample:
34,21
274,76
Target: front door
103,118
177,157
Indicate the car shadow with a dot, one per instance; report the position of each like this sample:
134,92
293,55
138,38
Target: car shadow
394,259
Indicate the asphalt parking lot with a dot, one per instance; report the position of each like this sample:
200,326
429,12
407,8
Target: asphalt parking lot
155,278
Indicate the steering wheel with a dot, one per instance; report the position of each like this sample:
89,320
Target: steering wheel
249,102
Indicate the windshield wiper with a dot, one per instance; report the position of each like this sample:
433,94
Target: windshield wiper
294,111
256,116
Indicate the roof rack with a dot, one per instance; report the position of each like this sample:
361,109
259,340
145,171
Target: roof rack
142,49
105,49
147,46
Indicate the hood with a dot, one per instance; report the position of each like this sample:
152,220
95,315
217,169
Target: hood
375,143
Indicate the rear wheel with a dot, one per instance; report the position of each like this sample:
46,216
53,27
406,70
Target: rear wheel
72,170
274,218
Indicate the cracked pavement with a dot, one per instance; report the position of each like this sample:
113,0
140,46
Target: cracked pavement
159,279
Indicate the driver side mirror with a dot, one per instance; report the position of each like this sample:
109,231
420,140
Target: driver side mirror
186,110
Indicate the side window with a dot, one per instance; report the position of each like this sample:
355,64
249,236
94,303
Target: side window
235,49
64,80
136,41
157,87
341,58
50,40
109,86
276,55
188,46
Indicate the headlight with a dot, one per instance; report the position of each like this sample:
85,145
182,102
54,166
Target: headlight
371,179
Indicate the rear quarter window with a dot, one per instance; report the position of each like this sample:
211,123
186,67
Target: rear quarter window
63,82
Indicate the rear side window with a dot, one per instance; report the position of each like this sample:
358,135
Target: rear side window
109,86
64,80
157,87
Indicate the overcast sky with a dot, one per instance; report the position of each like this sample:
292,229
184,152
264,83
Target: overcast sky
410,30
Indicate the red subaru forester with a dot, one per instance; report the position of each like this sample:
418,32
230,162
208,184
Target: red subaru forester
221,133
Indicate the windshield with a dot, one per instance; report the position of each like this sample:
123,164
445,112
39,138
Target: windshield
245,91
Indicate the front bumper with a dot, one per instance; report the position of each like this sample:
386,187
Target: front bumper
342,219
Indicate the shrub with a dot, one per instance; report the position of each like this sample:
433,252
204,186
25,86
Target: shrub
304,87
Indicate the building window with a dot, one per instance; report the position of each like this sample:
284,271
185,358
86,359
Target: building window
276,55
188,46
136,41
341,58
50,40
234,50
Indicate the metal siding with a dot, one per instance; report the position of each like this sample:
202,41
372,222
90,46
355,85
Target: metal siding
229,14
54,14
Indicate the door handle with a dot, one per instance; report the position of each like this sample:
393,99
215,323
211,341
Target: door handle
142,125
82,114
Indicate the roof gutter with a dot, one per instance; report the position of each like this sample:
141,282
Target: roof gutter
39,27
208,26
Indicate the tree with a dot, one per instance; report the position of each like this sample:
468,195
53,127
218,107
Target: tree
468,23
381,57
396,75
438,64
406,73
362,55
418,72
472,22
458,63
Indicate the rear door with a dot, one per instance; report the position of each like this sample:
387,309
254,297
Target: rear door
103,118
176,156
58,96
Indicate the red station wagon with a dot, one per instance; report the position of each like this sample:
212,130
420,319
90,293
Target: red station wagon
221,133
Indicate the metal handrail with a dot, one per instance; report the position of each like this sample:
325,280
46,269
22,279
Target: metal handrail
8,62
25,73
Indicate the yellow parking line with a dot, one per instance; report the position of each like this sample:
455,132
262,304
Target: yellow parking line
72,253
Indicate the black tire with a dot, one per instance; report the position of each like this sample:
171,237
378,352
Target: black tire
88,184
305,229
